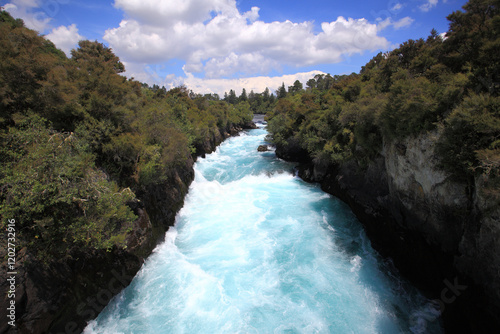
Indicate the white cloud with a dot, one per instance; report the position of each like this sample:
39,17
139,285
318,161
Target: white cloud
397,7
404,22
253,14
65,38
384,24
257,84
149,74
215,39
34,14
245,64
169,12
428,5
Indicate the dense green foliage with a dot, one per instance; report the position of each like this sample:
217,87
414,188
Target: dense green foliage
260,103
53,188
78,140
449,84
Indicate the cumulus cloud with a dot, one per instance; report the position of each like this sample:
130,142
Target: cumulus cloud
65,38
150,74
253,14
167,13
428,5
214,38
245,64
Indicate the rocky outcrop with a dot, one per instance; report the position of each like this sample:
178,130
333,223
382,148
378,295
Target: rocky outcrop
62,296
293,152
441,234
430,203
262,148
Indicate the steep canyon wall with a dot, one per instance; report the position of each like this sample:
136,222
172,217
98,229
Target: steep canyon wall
62,296
442,234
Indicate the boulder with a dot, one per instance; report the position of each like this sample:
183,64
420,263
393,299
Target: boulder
262,148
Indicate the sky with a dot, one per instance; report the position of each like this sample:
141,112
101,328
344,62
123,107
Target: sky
212,46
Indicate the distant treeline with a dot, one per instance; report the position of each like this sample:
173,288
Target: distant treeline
262,103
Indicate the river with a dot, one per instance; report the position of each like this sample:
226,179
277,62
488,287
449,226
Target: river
257,250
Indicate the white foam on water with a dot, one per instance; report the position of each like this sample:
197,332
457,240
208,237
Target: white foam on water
257,250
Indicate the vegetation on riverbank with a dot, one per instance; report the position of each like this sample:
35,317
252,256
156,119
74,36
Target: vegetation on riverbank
79,140
450,83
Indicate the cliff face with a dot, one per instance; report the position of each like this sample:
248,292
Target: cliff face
479,247
63,295
441,234
435,206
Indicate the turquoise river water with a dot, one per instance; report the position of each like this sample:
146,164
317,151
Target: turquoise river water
257,250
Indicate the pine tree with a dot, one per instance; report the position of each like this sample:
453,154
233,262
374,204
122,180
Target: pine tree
243,97
265,95
282,91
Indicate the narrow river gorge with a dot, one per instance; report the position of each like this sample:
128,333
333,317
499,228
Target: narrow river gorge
257,250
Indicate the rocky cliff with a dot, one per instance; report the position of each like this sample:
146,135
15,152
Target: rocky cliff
441,234
62,296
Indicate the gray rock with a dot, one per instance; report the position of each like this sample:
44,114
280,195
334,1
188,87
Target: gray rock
262,148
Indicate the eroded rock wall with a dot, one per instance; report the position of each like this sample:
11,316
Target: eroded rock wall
441,234
61,296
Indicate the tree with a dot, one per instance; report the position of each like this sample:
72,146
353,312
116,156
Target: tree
231,97
251,96
473,41
282,91
266,95
243,97
6,17
434,35
311,83
34,75
59,197
471,129
95,55
103,93
272,99
296,88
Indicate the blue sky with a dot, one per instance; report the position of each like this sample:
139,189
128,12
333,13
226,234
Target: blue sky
212,46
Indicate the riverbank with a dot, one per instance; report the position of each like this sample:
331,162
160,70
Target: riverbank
61,296
440,234
256,249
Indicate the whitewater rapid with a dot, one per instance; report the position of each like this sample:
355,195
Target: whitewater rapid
257,250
